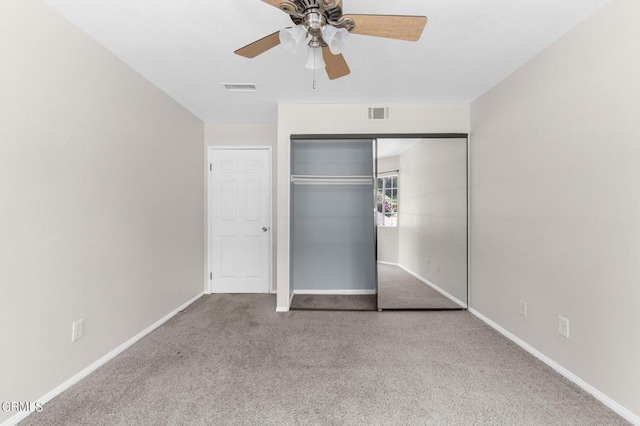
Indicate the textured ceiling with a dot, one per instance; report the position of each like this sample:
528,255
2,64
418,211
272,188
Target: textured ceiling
186,47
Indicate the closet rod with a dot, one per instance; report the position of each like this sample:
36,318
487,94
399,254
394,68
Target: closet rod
335,183
332,180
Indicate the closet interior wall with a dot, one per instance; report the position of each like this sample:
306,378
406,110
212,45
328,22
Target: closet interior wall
332,223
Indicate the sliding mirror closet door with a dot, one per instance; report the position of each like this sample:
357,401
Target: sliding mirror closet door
332,253
421,219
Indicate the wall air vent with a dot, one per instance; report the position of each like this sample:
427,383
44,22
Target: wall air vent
240,87
378,113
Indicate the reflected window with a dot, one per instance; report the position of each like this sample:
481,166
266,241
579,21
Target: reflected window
387,200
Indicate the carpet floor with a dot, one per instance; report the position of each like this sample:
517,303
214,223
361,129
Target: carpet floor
398,289
232,360
334,302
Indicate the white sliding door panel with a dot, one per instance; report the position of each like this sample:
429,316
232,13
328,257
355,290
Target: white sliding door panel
240,209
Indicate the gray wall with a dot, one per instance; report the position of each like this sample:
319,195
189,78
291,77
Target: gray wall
432,201
556,202
332,225
101,206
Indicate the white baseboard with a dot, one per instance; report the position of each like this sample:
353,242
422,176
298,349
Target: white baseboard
99,363
436,288
382,262
613,405
337,292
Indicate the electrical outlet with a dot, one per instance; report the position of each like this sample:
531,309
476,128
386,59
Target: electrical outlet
563,326
523,308
426,259
438,267
77,330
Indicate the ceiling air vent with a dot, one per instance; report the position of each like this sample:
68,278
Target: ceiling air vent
381,113
240,87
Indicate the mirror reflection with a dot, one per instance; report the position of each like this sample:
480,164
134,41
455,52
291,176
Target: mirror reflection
421,221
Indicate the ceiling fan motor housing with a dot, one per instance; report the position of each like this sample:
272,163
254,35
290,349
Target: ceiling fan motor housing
306,6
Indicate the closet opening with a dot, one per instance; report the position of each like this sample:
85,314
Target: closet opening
379,222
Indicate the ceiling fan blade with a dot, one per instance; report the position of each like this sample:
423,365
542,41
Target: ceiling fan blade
336,66
390,26
277,3
257,47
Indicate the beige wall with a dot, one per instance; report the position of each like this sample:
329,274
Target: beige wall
100,201
433,213
346,119
388,236
244,135
556,202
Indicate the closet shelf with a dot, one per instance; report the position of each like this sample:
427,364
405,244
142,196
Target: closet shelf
331,180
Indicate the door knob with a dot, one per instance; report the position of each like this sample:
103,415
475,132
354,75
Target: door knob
265,229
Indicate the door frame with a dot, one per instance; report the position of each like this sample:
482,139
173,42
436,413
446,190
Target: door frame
211,150
376,136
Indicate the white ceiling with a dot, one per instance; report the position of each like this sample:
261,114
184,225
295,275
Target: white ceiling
394,147
186,47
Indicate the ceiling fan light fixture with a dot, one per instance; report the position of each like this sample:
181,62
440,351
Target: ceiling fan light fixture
336,38
323,26
315,61
293,38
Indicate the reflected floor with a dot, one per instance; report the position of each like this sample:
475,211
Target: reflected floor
397,289
318,302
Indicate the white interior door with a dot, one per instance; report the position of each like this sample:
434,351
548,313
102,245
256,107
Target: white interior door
240,209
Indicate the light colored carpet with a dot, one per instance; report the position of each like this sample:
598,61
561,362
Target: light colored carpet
231,360
398,289
334,302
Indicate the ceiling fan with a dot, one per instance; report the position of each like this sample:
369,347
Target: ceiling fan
321,25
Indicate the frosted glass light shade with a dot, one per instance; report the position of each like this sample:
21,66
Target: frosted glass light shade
292,38
336,38
315,61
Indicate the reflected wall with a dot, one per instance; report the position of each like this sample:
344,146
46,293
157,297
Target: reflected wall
429,244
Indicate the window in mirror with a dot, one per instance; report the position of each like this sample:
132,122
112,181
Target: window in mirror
387,201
